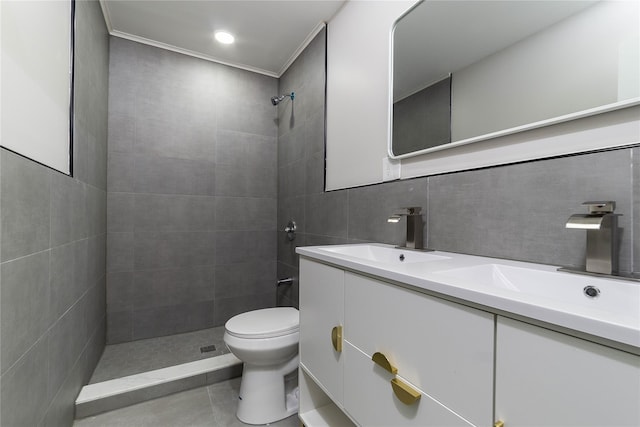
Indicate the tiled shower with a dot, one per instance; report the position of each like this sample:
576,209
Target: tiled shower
191,193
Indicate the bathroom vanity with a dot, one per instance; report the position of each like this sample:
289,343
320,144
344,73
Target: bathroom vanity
395,337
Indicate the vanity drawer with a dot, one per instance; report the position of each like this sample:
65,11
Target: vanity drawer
443,348
369,398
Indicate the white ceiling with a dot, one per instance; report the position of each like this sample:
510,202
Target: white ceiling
269,34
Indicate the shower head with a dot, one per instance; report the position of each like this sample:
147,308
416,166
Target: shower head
275,100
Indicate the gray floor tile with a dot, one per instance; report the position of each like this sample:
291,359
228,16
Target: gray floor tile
119,360
188,408
205,406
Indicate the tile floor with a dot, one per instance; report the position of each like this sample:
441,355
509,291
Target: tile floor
214,405
121,360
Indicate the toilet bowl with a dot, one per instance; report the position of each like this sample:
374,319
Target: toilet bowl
266,341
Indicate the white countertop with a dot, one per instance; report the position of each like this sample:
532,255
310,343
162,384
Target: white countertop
530,290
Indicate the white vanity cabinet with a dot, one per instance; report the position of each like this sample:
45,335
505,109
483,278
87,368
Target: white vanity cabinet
441,349
442,352
545,378
422,346
322,296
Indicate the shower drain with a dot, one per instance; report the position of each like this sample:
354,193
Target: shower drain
207,348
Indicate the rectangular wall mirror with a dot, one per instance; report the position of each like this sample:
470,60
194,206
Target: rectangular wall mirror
513,65
37,81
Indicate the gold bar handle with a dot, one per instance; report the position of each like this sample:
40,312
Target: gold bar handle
405,393
381,360
498,424
336,338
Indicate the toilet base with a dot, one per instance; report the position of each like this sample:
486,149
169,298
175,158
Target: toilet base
262,396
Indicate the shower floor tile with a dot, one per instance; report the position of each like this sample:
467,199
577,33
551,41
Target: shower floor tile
214,405
120,360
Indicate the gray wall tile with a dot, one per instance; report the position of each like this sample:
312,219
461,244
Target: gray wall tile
245,150
251,87
68,210
97,162
167,175
245,213
370,207
25,197
174,319
161,250
287,248
288,295
257,181
119,326
119,291
315,170
60,412
292,179
301,167
122,127
162,212
52,274
245,279
235,247
24,300
96,258
519,211
163,288
96,202
193,144
24,388
120,252
327,214
120,172
120,212
67,281
64,347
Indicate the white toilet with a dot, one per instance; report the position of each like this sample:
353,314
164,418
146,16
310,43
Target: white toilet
267,342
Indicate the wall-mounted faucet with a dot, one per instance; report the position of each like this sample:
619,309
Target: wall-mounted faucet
414,226
601,225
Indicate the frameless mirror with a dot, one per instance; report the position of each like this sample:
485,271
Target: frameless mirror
512,65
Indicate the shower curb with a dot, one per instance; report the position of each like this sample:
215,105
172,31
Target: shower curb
120,392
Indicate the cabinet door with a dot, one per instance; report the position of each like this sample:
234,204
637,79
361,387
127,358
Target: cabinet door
321,310
443,348
544,378
370,400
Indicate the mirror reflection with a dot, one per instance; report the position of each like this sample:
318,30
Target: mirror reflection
511,66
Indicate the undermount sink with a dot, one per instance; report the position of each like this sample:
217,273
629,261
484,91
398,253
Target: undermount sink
614,296
384,254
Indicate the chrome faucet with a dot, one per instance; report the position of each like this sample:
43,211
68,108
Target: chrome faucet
602,226
414,226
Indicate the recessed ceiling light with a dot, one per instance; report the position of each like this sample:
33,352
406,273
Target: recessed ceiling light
224,37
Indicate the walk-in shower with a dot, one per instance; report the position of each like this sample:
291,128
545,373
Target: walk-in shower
275,100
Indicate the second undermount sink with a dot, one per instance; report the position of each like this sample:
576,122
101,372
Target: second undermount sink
383,254
609,295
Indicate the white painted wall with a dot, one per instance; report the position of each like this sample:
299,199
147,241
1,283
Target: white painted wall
358,98
35,80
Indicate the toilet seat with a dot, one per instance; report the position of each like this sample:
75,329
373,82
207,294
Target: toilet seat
264,323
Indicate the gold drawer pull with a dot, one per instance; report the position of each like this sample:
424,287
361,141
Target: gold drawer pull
404,392
498,424
336,338
381,360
